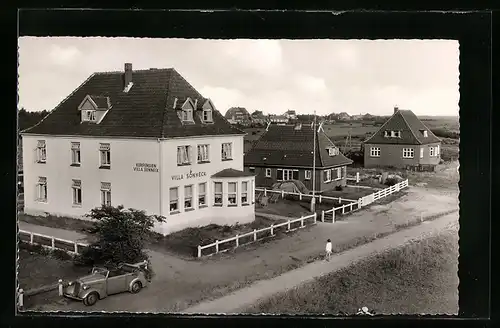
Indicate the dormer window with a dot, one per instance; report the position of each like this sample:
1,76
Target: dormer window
187,115
393,134
425,133
207,115
386,134
398,134
333,151
89,116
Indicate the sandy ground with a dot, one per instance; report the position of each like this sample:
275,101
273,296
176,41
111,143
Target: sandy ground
182,283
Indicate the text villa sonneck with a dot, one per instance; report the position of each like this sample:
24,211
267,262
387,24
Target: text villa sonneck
100,147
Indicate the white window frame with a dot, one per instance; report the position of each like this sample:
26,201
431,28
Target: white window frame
421,152
219,194
188,197
105,155
339,173
408,153
227,151
426,134
187,115
333,151
76,188
327,175
308,174
278,175
232,194
183,155
207,115
438,150
89,115
393,134
105,194
386,134
75,153
244,193
398,134
41,152
268,173
203,153
375,151
202,195
41,190
432,152
173,201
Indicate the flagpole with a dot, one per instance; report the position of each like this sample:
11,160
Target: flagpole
313,199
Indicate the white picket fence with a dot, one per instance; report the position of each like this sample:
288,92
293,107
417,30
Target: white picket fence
320,198
53,243
363,201
236,239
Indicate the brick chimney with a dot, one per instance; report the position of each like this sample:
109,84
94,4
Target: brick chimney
128,74
396,108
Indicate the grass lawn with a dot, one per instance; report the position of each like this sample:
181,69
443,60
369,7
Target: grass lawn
185,242
418,278
350,192
57,222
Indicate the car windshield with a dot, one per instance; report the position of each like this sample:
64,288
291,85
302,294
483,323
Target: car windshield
99,271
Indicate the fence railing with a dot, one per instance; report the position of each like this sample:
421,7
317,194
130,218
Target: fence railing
363,201
51,242
256,234
320,198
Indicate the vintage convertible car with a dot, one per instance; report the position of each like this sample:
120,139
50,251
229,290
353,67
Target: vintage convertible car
103,282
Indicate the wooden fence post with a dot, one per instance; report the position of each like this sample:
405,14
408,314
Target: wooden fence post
76,247
315,217
53,243
300,196
199,251
343,209
216,246
254,234
237,240
265,192
333,215
272,229
60,285
20,298
357,177
288,224
350,207
323,216
302,222
340,200
31,237
320,199
359,203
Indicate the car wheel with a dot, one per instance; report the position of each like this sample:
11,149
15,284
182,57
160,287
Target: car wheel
136,287
91,299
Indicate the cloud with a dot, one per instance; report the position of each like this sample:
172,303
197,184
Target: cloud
64,56
310,84
262,56
222,98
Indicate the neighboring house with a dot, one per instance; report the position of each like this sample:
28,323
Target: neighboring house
343,116
238,115
144,139
278,119
258,117
290,114
286,153
403,141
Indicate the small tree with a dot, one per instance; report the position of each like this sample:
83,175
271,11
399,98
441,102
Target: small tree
121,235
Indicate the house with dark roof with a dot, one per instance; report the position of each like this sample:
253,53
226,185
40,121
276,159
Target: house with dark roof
286,152
278,119
290,114
145,139
403,141
238,115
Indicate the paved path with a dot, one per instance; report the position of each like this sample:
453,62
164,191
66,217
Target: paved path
244,298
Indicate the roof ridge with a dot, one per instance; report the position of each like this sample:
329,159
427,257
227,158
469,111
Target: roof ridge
410,127
60,103
136,70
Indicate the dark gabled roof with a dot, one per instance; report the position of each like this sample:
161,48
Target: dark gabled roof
146,110
102,102
283,145
235,111
232,173
411,128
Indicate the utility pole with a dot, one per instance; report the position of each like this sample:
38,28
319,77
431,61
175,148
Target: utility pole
313,198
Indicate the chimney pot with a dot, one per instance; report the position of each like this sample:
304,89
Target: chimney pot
128,74
396,108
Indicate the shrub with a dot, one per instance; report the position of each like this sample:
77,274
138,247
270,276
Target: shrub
89,256
61,255
390,181
339,188
444,133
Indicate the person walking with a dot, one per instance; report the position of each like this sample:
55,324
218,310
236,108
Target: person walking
328,250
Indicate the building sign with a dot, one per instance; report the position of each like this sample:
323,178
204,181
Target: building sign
189,175
145,167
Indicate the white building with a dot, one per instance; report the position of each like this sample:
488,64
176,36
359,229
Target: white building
143,139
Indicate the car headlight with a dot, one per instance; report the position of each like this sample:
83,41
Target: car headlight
85,287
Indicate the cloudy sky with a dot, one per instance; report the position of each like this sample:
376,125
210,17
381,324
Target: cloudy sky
353,76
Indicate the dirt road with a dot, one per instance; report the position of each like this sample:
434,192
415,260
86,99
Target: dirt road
243,298
181,283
